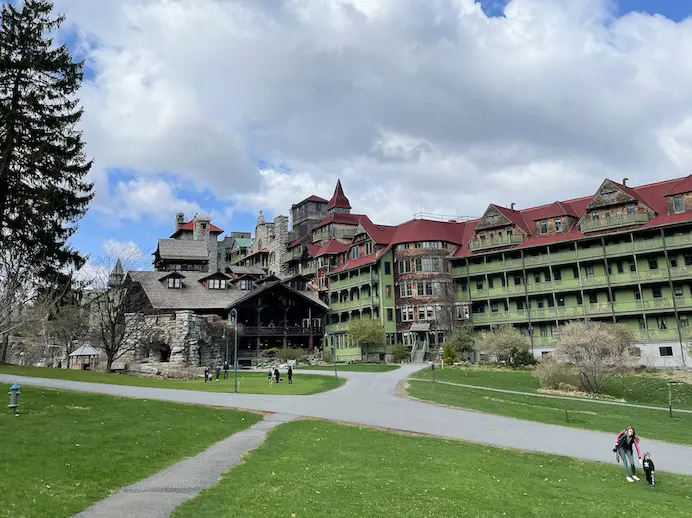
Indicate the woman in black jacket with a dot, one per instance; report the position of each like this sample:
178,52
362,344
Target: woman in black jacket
624,442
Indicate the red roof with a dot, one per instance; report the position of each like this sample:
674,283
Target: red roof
342,218
295,242
682,187
331,247
429,230
556,210
190,226
380,234
339,199
361,261
312,198
263,251
651,195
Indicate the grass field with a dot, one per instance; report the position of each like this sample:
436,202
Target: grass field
315,468
353,367
249,382
68,450
641,389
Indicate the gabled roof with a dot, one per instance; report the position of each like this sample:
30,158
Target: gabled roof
342,218
190,227
84,350
244,270
241,242
182,249
429,230
515,216
684,186
312,198
309,295
172,275
216,274
295,242
380,234
556,210
361,261
331,247
339,199
263,251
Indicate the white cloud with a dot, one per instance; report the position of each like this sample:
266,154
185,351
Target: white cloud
409,103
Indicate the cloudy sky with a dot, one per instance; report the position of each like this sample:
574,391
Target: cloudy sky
231,106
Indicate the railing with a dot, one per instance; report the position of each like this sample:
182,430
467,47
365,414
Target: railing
460,271
619,249
593,225
338,327
349,282
478,244
596,280
648,244
566,256
590,253
323,234
281,330
355,303
679,240
513,264
531,260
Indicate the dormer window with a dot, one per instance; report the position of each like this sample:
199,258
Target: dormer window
595,216
558,225
204,226
355,253
246,284
630,208
174,283
492,218
217,284
678,204
607,196
544,227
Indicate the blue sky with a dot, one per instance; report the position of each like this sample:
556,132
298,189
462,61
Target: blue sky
98,226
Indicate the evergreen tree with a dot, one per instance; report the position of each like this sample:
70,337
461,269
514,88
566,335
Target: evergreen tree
44,190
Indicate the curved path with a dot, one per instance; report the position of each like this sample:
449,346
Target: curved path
369,399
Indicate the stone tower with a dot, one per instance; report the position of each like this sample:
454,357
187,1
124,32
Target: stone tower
339,201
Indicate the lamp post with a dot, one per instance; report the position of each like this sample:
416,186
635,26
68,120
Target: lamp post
334,359
234,319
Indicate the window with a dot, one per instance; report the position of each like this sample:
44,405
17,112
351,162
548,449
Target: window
407,314
520,305
430,311
653,263
561,301
174,282
656,290
593,298
679,204
688,259
387,268
406,289
355,252
204,226
558,225
678,292
479,284
517,280
491,283
637,294
544,227
607,196
595,216
389,291
547,276
540,304
537,277
390,314
629,209
589,271
665,351
421,312
619,267
462,311
464,286
661,323
404,266
575,272
633,266
368,248
493,307
642,323
419,264
509,233
673,262
684,321
557,274
217,284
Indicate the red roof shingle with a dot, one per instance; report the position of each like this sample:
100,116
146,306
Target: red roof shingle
190,227
339,199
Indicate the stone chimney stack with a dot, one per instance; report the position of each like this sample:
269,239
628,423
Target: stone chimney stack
179,220
281,242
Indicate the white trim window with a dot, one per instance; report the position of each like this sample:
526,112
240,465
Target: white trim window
405,289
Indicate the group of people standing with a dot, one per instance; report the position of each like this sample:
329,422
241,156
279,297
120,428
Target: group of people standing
274,376
625,444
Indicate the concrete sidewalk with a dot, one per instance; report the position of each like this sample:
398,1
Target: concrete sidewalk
369,399
158,495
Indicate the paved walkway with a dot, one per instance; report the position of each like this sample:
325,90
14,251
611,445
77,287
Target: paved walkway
369,399
158,495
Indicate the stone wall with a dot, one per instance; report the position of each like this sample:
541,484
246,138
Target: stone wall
277,246
193,341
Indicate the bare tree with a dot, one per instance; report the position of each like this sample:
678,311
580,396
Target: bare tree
599,352
25,299
114,306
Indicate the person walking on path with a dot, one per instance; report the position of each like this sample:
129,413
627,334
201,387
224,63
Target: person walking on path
624,442
290,375
276,374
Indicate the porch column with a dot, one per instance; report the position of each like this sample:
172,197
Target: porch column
310,344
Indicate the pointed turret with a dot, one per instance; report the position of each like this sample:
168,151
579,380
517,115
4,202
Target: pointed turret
117,275
339,201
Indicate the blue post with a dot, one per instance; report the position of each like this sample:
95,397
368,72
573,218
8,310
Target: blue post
14,394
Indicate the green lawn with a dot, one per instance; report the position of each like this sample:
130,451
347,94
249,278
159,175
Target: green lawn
314,468
249,382
353,367
68,450
644,389
640,388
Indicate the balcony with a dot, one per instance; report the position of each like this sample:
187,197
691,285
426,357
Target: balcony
648,244
475,269
513,264
570,311
495,266
295,254
681,272
679,240
460,271
657,335
658,304
595,252
566,284
281,331
626,220
495,242
325,233
566,256
659,274
536,260
350,282
596,280
539,287
623,278
619,249
308,270
354,304
601,308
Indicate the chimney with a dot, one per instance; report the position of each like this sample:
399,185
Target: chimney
624,181
511,207
179,220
